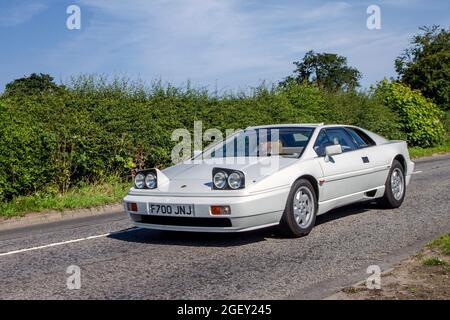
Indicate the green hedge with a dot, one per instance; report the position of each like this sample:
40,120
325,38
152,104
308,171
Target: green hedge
92,129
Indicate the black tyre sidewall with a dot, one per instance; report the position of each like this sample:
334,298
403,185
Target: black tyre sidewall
389,199
288,225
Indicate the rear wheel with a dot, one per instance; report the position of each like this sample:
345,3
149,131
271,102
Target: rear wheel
395,187
299,215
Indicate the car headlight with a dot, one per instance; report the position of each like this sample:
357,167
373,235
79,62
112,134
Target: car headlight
150,181
146,179
220,180
234,180
227,179
139,181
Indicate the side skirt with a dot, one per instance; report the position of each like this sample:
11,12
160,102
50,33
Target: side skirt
328,205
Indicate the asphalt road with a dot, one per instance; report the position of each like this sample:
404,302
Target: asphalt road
123,263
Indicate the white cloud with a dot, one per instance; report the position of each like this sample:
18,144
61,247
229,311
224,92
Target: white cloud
327,10
400,3
20,13
236,42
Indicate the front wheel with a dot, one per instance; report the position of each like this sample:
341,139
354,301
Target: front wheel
299,215
395,187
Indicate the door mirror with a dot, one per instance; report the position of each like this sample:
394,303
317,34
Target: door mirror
333,150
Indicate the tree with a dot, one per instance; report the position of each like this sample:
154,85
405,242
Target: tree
326,70
425,65
33,84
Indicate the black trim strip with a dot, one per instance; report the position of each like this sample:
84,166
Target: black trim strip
182,221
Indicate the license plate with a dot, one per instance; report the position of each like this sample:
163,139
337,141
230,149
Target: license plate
175,210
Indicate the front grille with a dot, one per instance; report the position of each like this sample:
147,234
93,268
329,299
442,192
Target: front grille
181,221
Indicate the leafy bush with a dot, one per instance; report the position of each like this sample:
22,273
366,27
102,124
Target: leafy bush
420,118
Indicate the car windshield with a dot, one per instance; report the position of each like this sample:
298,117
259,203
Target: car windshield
263,142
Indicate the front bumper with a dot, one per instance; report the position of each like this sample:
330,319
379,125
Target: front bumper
248,212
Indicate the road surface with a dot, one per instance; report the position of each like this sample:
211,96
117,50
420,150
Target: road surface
121,262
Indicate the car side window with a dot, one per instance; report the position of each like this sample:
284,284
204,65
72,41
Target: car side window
321,142
331,136
356,138
340,136
364,136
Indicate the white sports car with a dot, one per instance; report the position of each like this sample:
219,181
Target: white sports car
263,176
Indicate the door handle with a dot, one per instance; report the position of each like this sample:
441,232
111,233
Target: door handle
365,159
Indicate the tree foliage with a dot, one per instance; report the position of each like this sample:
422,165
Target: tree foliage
33,84
326,70
425,65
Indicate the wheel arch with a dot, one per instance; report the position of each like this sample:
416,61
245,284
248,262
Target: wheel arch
400,158
313,182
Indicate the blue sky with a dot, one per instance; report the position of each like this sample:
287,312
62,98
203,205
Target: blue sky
228,44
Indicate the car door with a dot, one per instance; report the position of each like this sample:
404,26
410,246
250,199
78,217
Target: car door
343,174
378,162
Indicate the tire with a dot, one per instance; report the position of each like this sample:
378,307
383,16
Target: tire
395,190
299,221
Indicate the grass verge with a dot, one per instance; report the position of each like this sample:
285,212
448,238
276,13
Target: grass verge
417,152
85,196
442,243
434,262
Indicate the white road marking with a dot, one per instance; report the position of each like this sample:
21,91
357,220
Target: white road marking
65,242
416,172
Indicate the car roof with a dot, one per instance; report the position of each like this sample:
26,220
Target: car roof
299,125
291,125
